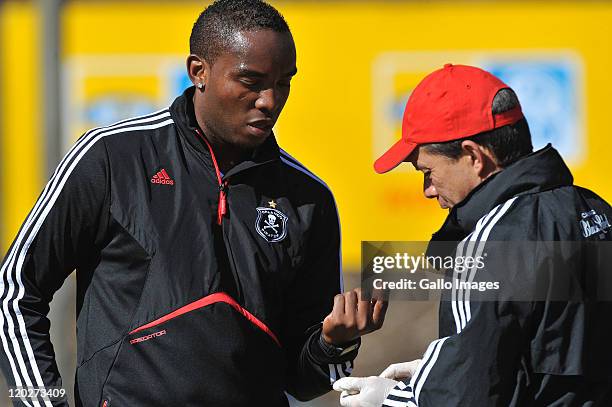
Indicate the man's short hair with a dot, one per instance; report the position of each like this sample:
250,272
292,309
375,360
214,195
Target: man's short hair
507,143
214,29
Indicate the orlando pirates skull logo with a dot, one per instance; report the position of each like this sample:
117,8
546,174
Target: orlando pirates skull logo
271,224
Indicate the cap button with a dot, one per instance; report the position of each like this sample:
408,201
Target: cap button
448,65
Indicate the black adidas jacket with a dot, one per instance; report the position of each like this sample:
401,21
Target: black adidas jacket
174,309
506,350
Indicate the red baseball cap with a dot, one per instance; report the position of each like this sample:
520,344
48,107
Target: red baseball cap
449,104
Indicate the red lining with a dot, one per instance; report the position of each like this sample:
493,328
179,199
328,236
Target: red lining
222,209
208,300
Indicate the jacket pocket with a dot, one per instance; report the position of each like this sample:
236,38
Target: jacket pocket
211,352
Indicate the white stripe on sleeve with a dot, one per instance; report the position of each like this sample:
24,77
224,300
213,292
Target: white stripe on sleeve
16,258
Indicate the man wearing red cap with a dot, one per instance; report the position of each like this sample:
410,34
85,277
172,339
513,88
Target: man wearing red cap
464,129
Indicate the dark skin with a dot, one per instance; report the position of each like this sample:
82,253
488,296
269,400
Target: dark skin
244,91
352,317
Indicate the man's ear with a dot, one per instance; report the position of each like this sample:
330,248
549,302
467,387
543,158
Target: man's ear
474,152
198,70
482,160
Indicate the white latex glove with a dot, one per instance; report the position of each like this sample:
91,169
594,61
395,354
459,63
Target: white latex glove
363,391
400,371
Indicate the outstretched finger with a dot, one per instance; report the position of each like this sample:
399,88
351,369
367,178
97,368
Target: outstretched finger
389,372
379,312
364,312
349,384
350,304
338,310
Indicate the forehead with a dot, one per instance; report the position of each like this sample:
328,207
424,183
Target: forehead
263,50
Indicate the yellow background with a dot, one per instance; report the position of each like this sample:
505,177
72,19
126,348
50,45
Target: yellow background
327,123
22,153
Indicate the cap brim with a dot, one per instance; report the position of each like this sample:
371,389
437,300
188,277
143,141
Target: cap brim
394,156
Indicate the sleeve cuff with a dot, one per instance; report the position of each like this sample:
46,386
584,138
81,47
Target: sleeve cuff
328,353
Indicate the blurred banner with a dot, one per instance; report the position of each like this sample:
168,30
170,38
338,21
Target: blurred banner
21,154
358,63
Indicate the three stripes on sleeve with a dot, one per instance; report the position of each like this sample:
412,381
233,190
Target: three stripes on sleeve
407,394
13,332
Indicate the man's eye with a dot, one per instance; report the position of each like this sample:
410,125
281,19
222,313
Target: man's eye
248,82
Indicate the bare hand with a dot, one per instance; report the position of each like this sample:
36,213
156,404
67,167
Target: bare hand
351,317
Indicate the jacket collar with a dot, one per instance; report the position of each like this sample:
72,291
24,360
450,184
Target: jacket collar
183,113
539,171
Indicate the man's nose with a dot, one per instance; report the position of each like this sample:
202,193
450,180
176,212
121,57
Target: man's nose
429,190
266,100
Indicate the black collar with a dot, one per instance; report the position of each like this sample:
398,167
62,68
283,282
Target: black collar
539,171
183,113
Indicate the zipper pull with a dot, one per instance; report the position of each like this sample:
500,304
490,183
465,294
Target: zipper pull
222,209
222,203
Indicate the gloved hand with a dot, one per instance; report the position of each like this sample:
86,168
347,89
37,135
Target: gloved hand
363,391
399,371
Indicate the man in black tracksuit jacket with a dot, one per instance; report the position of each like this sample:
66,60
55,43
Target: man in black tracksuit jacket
520,353
542,339
202,281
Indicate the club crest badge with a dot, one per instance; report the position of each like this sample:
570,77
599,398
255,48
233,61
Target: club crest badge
271,224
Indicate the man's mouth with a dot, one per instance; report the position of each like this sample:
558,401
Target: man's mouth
261,127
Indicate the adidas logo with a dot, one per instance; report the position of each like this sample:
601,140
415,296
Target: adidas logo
162,177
